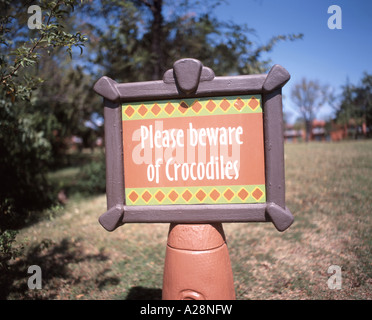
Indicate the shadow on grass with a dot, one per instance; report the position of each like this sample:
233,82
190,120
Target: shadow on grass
141,293
61,279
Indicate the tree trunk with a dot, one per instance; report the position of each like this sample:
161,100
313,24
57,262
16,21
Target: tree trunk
157,39
308,128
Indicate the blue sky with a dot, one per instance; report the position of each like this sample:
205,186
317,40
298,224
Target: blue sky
330,56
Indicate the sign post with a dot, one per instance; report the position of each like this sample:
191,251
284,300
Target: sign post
195,150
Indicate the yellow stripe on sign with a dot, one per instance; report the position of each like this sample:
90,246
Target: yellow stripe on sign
196,195
192,107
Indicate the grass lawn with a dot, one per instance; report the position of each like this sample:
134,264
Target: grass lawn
328,190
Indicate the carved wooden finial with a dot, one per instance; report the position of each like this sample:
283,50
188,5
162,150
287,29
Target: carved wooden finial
187,74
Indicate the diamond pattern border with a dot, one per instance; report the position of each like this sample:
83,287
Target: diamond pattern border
192,107
196,195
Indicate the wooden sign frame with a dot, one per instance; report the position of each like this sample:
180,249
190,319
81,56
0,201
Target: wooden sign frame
190,79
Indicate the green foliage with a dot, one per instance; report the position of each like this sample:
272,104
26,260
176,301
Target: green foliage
25,147
92,177
66,103
136,41
23,50
7,250
24,156
356,104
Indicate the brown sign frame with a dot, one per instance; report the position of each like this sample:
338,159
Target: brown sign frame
190,79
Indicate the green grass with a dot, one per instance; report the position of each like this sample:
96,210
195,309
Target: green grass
328,190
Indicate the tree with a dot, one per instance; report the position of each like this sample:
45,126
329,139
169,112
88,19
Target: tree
309,96
364,101
356,106
24,148
156,31
66,99
136,41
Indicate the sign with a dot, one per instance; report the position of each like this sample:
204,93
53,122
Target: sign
193,151
195,148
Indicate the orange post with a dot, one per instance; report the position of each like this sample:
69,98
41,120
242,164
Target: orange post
197,264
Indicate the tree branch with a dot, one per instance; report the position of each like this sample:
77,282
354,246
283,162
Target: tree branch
148,4
32,49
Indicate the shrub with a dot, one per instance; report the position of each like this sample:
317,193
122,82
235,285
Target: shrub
92,177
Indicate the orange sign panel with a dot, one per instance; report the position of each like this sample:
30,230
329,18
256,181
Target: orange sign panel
194,151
